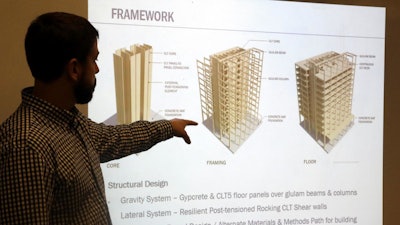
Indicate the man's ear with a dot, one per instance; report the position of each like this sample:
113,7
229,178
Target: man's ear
74,70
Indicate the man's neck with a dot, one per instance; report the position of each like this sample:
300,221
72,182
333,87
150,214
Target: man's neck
56,92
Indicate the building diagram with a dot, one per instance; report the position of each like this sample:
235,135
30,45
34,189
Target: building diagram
133,74
229,83
325,92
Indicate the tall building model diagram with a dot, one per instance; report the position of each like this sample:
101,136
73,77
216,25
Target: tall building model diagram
325,92
133,74
229,83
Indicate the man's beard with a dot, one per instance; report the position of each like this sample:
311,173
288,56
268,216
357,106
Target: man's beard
84,92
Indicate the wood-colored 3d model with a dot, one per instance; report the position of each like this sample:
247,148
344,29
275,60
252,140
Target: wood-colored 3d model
229,93
325,92
133,74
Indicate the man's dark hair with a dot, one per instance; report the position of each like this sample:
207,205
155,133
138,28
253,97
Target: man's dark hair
55,38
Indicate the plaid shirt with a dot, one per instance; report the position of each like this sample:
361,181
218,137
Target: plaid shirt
50,162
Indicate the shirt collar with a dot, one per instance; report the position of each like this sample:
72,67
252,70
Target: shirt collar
70,117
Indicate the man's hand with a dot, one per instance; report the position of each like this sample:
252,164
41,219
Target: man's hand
178,126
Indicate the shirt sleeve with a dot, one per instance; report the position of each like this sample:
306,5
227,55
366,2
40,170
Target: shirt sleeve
113,142
25,188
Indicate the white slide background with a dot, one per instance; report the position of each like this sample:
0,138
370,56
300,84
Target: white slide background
279,158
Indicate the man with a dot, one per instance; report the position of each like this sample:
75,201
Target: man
50,153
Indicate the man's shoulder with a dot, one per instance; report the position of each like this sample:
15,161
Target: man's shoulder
17,129
15,120
27,130
23,134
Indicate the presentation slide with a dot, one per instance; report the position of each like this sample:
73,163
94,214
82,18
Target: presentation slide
289,101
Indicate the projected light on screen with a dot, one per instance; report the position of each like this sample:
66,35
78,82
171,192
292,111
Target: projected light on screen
286,131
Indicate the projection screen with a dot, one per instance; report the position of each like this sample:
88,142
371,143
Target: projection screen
289,101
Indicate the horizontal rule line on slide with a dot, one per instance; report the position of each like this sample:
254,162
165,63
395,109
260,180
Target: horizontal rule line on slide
346,162
237,30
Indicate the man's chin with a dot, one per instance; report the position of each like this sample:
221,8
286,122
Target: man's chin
84,97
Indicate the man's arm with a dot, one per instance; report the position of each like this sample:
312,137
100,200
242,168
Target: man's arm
113,142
